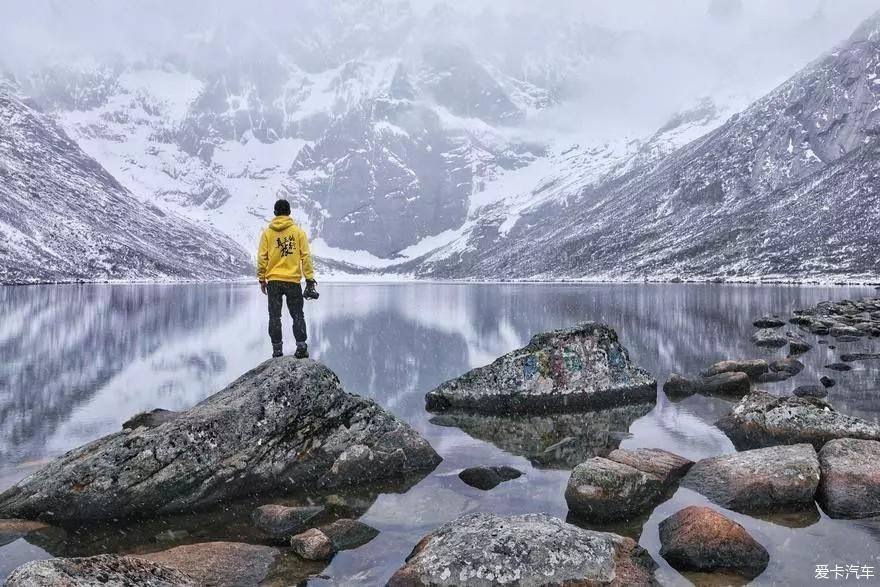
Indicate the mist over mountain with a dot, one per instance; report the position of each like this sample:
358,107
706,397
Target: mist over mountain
440,139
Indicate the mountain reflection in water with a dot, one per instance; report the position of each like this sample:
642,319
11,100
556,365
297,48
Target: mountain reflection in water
77,361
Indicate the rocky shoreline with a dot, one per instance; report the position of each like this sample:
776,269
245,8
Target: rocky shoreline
564,401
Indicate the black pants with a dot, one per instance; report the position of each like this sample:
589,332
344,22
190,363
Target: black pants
294,294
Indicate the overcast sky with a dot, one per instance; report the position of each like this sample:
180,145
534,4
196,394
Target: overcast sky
678,49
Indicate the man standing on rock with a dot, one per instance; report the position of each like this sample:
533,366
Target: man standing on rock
282,261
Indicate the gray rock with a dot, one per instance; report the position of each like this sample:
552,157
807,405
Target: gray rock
769,322
760,480
346,534
850,486
729,384
700,539
761,419
666,466
219,564
753,368
789,366
487,478
852,357
846,331
97,571
769,338
797,345
530,549
280,521
601,490
313,545
817,391
839,367
150,419
580,368
774,377
624,485
286,425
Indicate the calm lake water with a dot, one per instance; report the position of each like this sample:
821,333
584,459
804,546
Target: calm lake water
77,361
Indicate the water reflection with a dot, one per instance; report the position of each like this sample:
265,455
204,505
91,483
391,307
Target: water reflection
77,361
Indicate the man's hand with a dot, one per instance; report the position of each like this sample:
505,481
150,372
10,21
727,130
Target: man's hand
264,288
311,292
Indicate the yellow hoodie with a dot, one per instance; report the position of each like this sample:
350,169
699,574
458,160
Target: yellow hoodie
284,252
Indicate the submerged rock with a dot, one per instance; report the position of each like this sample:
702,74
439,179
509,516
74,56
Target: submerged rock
624,485
286,425
487,478
220,564
851,358
97,571
281,521
730,384
12,530
701,539
580,368
769,322
790,367
559,441
313,545
842,367
346,534
753,368
531,549
797,345
850,486
817,391
761,419
769,338
760,480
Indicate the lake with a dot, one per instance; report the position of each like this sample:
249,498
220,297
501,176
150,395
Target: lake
77,361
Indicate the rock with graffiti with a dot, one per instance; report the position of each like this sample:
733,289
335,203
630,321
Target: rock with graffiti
575,369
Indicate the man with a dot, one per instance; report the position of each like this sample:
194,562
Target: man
282,261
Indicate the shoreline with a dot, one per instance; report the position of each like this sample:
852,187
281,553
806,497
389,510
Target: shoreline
350,279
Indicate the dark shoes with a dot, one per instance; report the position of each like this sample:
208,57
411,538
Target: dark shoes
302,351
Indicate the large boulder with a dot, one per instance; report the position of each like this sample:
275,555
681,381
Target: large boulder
580,368
700,539
98,571
285,426
760,480
850,486
531,549
219,564
761,419
624,485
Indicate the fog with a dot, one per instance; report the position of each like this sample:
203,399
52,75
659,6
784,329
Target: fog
637,61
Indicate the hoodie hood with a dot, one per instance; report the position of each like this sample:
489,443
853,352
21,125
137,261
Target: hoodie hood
281,223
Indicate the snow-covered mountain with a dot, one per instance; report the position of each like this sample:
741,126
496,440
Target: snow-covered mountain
429,143
63,217
789,188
